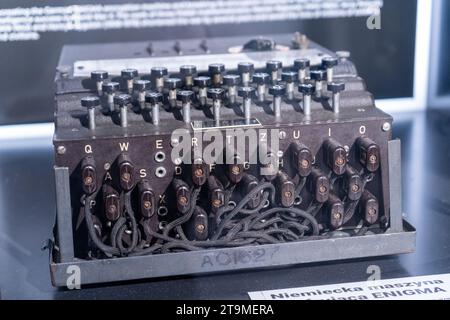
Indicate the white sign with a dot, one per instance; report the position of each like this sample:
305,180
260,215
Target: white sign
436,287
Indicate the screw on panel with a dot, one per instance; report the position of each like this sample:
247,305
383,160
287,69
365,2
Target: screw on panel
61,150
386,127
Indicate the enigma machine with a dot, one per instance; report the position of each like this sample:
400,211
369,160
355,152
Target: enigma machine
193,156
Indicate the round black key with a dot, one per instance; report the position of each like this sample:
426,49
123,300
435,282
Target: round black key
329,62
273,65
153,97
246,92
318,75
300,64
215,93
99,75
336,87
129,74
90,102
231,79
306,88
158,72
110,87
202,82
185,95
246,67
122,99
289,76
172,83
261,78
141,85
188,70
216,68
277,90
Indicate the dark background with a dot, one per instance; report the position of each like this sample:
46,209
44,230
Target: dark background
444,71
385,58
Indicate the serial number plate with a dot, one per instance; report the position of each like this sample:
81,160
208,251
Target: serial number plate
237,258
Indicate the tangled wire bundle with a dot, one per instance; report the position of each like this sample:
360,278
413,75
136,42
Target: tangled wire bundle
236,225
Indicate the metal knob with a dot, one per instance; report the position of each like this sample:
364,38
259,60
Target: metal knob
157,75
128,75
231,81
216,94
301,66
328,63
274,68
307,89
277,91
172,84
185,96
122,100
188,72
141,86
216,70
98,77
246,70
247,93
318,76
154,99
261,80
110,89
90,103
202,83
336,88
289,78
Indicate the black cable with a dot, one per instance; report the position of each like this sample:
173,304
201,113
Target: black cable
241,204
313,210
271,226
258,208
185,217
263,225
207,243
257,234
146,251
362,231
171,245
252,220
300,186
119,240
306,215
131,216
113,235
350,211
294,225
91,229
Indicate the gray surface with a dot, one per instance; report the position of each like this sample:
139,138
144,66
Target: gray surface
439,65
27,209
64,219
236,258
395,185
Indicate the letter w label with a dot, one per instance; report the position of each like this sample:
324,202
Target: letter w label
124,146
